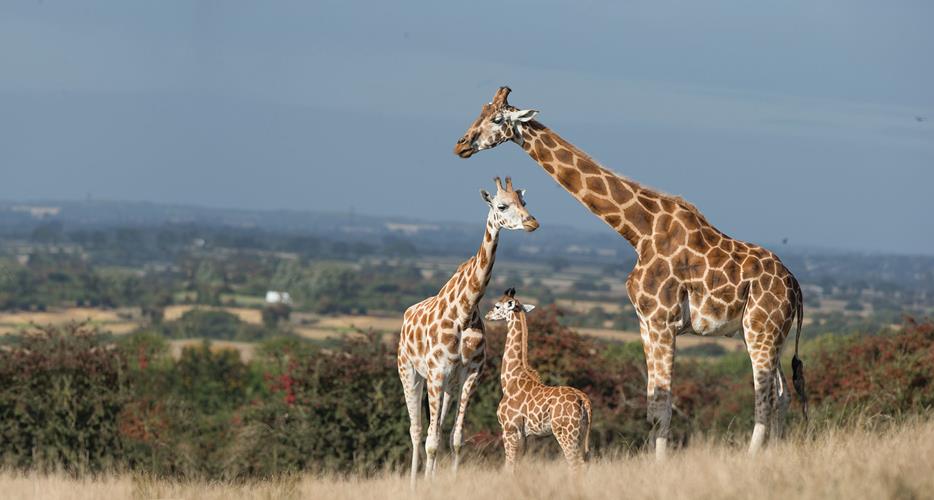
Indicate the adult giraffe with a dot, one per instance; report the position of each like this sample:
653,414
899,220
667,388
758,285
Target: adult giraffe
689,276
442,343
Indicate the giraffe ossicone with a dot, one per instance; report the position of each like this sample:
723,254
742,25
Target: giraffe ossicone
528,406
689,278
441,345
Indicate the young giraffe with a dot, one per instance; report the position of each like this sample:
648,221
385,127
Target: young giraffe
689,277
442,343
529,406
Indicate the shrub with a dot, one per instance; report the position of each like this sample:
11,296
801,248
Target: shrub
61,392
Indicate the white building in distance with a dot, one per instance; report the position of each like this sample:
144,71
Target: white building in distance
274,297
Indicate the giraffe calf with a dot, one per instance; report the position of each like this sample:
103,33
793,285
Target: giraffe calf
529,407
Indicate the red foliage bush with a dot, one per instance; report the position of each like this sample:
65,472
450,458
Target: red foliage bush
887,373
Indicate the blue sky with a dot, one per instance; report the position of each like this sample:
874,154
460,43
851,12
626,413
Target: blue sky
789,119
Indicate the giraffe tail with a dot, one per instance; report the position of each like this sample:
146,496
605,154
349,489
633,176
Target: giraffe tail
587,414
797,366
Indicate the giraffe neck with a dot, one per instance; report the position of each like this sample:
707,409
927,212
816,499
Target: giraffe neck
616,200
516,355
482,267
476,274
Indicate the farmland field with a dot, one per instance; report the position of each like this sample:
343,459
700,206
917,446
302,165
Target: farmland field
118,321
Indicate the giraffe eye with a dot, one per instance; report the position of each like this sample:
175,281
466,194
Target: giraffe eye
498,119
502,208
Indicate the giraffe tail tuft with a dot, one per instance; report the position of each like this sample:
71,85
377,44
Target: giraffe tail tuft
797,366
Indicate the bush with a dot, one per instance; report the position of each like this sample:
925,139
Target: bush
68,400
61,392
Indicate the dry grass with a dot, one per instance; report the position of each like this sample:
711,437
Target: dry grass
896,463
116,321
378,323
316,327
246,349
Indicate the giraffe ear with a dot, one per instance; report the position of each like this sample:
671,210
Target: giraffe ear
528,307
521,115
487,197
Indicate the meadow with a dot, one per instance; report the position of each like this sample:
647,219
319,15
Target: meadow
867,459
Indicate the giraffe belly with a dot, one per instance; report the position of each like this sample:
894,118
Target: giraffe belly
537,419
723,328
695,321
537,425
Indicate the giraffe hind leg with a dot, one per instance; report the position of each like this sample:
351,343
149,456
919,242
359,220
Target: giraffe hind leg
781,398
762,354
569,437
766,323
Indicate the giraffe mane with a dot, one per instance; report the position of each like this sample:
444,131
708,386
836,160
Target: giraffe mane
677,200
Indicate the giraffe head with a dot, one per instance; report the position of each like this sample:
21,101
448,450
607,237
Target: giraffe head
506,306
507,207
498,122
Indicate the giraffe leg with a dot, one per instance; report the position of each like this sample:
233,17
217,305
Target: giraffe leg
766,323
762,382
469,377
567,431
781,398
763,372
434,425
413,387
659,346
446,398
512,441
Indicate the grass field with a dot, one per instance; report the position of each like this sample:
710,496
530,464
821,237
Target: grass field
117,321
246,315
895,463
246,349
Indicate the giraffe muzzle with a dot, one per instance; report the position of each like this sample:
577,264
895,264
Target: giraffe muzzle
465,147
530,224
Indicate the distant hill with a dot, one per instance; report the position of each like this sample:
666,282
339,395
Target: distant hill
22,220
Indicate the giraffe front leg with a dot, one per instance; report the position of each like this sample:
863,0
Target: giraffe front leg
512,440
434,425
413,387
446,399
469,377
659,347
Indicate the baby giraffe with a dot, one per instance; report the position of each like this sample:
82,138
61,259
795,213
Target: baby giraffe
441,346
529,406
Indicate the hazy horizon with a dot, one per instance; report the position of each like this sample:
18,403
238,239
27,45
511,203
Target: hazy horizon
799,121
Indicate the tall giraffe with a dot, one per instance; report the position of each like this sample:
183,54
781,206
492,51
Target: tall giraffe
529,406
442,344
689,277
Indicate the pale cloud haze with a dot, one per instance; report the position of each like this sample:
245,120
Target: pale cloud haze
790,119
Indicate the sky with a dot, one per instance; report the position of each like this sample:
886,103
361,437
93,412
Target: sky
811,120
